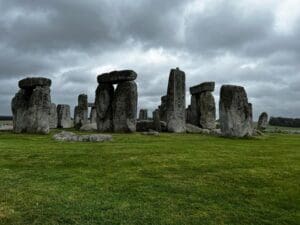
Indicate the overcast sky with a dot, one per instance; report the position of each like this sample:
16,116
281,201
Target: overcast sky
253,43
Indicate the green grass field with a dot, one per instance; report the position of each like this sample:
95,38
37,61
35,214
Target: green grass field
135,179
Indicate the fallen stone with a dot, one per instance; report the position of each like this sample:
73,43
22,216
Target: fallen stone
89,127
151,133
69,136
235,113
190,128
33,82
203,87
115,77
176,102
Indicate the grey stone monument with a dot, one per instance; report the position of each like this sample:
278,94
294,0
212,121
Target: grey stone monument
64,116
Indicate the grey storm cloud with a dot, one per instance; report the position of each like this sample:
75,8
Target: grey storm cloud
250,43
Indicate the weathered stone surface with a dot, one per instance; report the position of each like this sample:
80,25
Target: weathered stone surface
156,120
203,87
53,116
143,114
115,77
163,109
235,113
195,110
284,122
89,127
93,115
33,82
190,128
64,116
125,107
103,104
144,125
69,136
31,110
188,113
207,110
81,111
176,102
6,127
151,133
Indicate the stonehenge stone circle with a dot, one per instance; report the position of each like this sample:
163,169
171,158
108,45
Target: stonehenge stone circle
125,107
176,102
64,116
235,113
203,106
143,114
103,105
117,109
53,116
116,77
81,111
93,115
262,121
31,106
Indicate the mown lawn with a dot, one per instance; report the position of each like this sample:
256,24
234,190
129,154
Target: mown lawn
171,179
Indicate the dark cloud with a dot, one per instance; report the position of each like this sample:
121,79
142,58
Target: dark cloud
251,43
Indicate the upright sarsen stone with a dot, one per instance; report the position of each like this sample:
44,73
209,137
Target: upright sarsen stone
163,109
64,116
207,110
235,113
81,111
176,102
103,105
195,110
53,116
156,120
93,115
125,107
262,121
31,106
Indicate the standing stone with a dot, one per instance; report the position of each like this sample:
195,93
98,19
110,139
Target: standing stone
176,102
156,120
31,106
235,113
195,110
64,116
93,115
81,111
163,109
262,121
125,107
103,104
188,115
143,115
53,116
207,110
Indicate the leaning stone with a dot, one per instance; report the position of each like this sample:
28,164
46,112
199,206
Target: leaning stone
115,77
33,82
31,110
203,87
176,102
64,116
143,114
235,113
262,121
125,107
207,110
53,117
103,104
